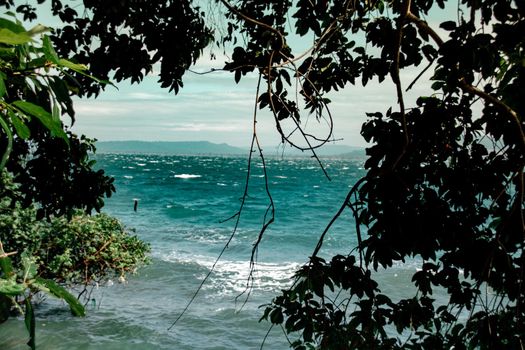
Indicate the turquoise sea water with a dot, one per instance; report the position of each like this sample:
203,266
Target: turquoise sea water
183,201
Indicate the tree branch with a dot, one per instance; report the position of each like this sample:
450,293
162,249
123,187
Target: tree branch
235,10
496,102
423,26
395,68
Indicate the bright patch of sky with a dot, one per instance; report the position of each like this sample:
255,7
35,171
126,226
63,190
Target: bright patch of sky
212,107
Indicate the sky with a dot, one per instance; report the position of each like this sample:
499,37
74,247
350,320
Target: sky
214,108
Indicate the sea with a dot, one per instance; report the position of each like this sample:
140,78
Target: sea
187,211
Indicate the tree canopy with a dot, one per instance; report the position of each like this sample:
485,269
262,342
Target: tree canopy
46,170
444,183
130,37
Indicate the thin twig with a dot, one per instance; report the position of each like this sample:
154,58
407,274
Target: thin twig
274,110
411,85
3,254
338,214
271,207
234,231
266,337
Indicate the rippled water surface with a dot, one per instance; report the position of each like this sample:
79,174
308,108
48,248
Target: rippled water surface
183,202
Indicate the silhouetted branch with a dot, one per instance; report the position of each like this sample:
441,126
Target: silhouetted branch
234,231
338,214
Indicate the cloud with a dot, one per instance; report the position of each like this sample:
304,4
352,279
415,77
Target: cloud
200,127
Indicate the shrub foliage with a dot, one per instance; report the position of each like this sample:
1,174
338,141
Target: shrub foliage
81,250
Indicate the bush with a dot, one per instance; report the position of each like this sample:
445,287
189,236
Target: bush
77,251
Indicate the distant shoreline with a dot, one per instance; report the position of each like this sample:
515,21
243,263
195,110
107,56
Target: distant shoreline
205,148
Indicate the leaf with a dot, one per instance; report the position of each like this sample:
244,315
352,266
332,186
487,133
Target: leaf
6,266
29,264
237,76
9,146
10,287
286,76
12,26
448,25
3,89
61,91
308,332
60,292
20,127
29,320
11,38
45,118
56,112
38,29
276,316
49,51
80,68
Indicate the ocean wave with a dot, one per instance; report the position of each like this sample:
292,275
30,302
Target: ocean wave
187,176
178,211
231,277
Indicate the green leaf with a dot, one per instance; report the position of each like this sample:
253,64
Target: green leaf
20,127
6,265
10,287
61,92
38,29
12,38
30,267
29,320
60,292
49,51
45,118
12,26
80,68
38,62
56,112
9,146
2,85
35,285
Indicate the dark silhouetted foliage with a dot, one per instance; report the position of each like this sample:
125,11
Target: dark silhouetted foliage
123,39
444,183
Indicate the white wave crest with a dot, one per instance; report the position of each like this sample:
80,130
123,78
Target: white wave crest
230,277
187,176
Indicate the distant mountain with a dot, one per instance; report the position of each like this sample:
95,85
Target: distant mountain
205,147
167,147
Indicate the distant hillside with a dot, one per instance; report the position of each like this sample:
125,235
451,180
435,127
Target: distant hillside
166,147
205,147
